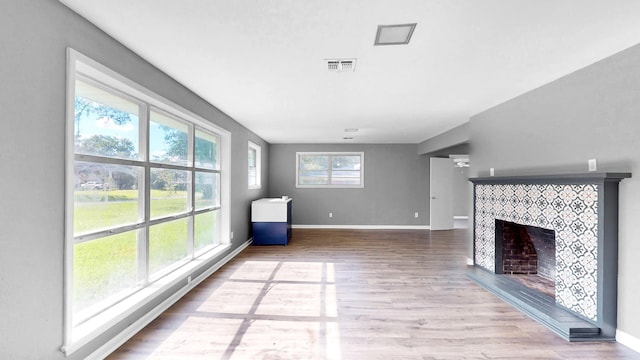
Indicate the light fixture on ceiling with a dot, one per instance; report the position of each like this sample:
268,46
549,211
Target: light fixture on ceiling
460,161
348,138
350,130
394,34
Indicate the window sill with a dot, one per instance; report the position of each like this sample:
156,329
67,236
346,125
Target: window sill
93,328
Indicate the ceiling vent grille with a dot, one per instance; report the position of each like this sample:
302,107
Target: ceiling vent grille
338,65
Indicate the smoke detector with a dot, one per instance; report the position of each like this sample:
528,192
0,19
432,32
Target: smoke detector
339,65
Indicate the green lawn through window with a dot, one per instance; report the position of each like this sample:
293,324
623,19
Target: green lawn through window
108,266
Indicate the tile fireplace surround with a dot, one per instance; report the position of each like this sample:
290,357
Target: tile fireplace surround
582,209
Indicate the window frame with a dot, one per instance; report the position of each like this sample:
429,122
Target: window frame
258,168
81,67
331,156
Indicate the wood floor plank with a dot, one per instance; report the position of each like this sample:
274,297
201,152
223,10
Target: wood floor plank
352,294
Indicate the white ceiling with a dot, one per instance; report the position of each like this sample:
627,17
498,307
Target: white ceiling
263,61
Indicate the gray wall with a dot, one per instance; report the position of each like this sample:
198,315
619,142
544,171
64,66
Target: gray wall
396,186
592,113
462,191
33,40
455,136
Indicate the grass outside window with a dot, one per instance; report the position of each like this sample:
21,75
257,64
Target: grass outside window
136,193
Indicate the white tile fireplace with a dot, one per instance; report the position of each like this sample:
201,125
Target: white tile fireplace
582,210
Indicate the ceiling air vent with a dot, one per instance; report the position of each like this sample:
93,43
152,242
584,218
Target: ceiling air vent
341,65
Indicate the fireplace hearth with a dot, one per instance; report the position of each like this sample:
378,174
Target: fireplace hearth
561,230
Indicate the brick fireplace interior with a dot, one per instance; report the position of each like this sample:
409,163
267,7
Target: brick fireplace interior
527,254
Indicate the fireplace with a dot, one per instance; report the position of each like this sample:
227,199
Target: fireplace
561,248
528,254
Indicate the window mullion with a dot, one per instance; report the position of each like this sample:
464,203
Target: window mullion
144,207
190,237
330,171
191,188
191,156
143,234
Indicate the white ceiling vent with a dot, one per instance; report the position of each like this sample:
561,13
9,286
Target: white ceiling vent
341,64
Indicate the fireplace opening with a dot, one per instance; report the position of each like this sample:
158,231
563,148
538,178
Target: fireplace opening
527,254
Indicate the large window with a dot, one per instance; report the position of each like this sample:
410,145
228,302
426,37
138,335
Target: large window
143,193
254,161
316,169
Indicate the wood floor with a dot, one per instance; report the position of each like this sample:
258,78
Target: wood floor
352,294
537,282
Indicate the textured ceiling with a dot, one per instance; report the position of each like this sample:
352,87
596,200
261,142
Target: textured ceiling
263,61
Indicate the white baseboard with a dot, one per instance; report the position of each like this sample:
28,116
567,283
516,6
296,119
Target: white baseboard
364,227
461,217
117,341
470,261
627,340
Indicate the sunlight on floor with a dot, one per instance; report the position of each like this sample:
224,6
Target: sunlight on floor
350,295
247,315
202,345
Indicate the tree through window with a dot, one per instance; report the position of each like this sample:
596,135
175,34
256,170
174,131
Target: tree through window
146,195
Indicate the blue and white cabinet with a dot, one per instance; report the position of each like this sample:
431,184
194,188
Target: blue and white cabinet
271,218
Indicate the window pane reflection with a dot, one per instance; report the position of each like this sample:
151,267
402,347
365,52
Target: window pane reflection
205,234
169,192
105,196
103,269
167,244
206,190
168,140
105,123
206,152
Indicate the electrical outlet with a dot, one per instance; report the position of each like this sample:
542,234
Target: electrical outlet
231,235
330,214
415,215
492,172
593,165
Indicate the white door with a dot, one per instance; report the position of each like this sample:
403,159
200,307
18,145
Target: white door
441,197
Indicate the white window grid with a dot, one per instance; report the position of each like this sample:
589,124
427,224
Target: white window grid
87,70
331,155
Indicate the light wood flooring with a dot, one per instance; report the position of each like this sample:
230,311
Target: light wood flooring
352,294
536,282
